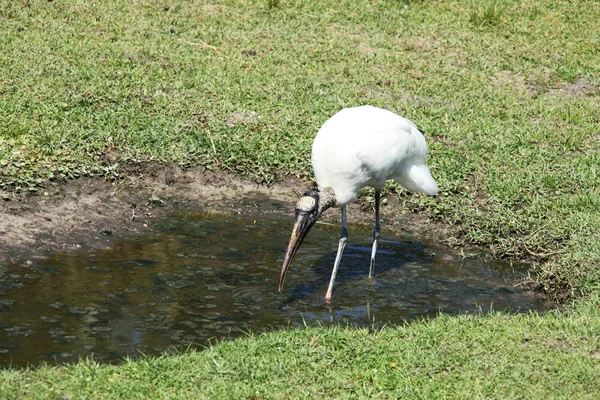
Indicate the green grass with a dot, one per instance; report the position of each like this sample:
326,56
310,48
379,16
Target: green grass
507,92
496,356
488,14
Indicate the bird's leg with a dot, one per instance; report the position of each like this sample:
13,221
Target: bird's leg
376,231
338,257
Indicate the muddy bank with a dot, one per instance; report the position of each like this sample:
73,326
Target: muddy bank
90,213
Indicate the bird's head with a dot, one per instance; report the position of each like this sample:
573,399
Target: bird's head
308,209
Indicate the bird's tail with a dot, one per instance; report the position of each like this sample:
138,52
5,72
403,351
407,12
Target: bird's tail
417,178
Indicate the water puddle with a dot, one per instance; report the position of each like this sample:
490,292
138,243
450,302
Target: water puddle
202,277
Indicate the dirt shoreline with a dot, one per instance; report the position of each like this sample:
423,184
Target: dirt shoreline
90,213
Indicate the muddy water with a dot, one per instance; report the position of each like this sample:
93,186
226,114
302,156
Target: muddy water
202,277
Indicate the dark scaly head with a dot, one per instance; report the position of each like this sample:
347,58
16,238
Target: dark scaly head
308,209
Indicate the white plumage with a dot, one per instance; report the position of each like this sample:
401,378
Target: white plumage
366,146
359,147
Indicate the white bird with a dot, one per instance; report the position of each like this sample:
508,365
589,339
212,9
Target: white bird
359,147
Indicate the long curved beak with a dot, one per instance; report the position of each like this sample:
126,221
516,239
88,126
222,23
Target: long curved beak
301,227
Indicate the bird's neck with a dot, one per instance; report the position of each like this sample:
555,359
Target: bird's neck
326,199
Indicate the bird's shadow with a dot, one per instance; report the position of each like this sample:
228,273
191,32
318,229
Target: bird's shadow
391,254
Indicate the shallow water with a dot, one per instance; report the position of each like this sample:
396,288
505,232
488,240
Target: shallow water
202,277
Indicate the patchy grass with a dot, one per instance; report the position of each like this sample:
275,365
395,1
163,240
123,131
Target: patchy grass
487,14
510,107
497,356
507,92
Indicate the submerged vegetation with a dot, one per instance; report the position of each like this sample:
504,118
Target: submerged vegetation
507,93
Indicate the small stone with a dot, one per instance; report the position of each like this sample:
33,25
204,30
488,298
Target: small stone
78,311
56,306
18,331
46,269
57,332
102,328
180,284
6,304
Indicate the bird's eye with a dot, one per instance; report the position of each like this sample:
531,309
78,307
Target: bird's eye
306,203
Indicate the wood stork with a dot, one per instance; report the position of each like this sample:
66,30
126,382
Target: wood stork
359,147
